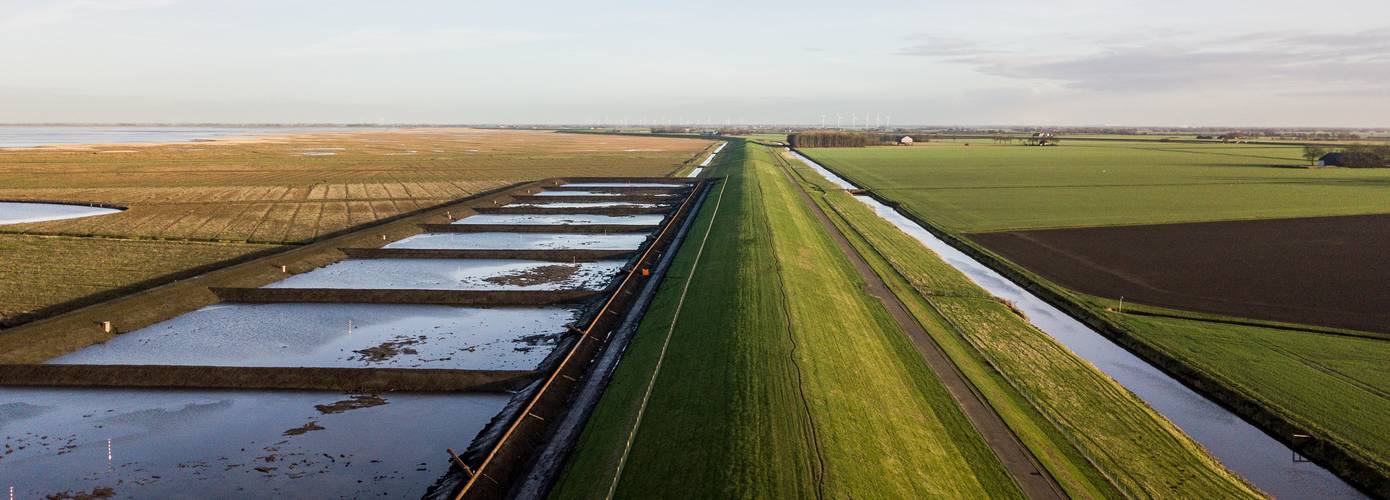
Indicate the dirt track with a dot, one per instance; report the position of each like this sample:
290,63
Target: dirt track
1327,271
1035,482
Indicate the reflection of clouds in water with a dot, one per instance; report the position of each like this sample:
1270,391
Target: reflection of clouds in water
12,412
161,418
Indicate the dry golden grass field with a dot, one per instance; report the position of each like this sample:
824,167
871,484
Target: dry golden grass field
245,194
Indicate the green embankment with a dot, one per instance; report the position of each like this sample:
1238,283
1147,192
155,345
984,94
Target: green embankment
986,187
1094,436
782,378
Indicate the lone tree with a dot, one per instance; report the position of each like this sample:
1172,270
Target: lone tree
1312,153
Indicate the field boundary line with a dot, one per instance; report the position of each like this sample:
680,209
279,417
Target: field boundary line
661,358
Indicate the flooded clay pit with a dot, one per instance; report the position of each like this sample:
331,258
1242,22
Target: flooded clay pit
576,219
522,241
185,443
341,336
23,212
199,444
456,274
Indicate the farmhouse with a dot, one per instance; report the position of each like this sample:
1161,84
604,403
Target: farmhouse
1353,159
1041,139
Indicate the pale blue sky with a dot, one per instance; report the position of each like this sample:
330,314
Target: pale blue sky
1063,62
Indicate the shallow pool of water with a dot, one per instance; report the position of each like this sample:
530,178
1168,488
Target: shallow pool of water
18,213
522,241
623,185
341,336
201,444
586,204
456,274
565,219
578,193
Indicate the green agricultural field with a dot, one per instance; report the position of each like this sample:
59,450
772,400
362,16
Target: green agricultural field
1330,385
782,378
988,187
1094,436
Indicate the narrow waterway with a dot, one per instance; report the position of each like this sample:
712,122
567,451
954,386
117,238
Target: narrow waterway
1243,448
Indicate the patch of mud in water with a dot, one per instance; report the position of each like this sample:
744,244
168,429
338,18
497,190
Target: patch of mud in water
309,427
19,213
390,349
356,402
551,273
334,335
567,219
523,241
198,444
450,274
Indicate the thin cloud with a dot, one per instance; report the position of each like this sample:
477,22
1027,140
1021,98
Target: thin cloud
1279,62
54,12
397,42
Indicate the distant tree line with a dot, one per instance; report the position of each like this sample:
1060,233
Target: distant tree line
1357,156
838,139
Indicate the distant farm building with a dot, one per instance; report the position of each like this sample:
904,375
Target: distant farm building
1041,139
905,140
1352,159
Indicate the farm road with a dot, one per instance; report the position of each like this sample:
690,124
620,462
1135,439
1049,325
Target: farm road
1035,482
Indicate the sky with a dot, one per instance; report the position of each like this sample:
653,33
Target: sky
939,62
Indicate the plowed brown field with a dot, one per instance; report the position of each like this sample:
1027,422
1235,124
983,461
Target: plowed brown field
1328,271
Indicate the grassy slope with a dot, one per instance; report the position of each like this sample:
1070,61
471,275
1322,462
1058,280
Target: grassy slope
774,312
985,187
1332,385
1083,426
